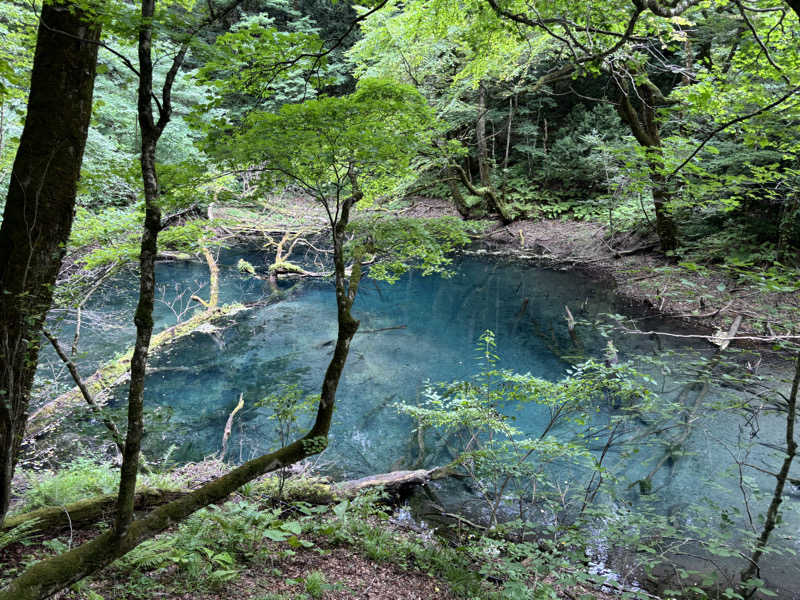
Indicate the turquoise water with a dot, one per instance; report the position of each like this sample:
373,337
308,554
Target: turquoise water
419,330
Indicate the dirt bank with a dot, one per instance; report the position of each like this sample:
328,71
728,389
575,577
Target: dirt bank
707,298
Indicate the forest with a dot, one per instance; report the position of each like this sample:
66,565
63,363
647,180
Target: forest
484,299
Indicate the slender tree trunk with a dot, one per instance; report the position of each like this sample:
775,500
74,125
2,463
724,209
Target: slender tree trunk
151,132
39,209
791,217
771,519
480,133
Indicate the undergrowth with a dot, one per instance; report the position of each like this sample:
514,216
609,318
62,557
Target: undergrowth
80,479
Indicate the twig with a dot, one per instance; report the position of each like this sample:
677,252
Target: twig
382,329
109,271
752,338
711,314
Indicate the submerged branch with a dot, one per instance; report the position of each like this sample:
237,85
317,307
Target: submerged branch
73,370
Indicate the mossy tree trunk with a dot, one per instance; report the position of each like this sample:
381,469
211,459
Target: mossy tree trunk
484,170
644,125
39,208
486,189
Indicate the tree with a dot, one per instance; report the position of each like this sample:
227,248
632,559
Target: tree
748,586
39,207
645,57
326,144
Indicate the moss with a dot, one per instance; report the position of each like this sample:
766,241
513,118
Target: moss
285,267
307,489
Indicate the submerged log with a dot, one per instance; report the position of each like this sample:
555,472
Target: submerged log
114,372
674,447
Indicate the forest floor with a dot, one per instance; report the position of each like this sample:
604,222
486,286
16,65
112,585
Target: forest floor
365,553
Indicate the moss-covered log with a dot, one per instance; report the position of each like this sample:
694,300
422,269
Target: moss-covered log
115,371
313,490
88,511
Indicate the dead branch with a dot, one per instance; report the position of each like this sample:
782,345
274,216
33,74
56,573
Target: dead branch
107,421
229,426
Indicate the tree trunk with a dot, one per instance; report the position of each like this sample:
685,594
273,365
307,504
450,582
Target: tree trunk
151,132
480,132
645,128
467,212
772,518
40,207
666,228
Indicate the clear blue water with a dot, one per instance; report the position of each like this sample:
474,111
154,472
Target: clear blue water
419,330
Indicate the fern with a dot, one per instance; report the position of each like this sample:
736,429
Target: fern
17,534
150,555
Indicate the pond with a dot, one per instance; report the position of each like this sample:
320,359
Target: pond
416,331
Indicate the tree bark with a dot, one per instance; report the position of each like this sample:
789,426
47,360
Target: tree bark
645,128
39,208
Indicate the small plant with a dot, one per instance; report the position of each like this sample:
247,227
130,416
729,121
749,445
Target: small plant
289,410
19,534
316,585
245,267
81,479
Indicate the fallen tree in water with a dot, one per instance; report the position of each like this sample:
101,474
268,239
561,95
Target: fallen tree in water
116,371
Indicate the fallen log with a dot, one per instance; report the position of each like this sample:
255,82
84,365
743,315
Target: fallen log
114,372
92,510
393,482
88,511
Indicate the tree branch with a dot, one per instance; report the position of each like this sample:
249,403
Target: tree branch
727,124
